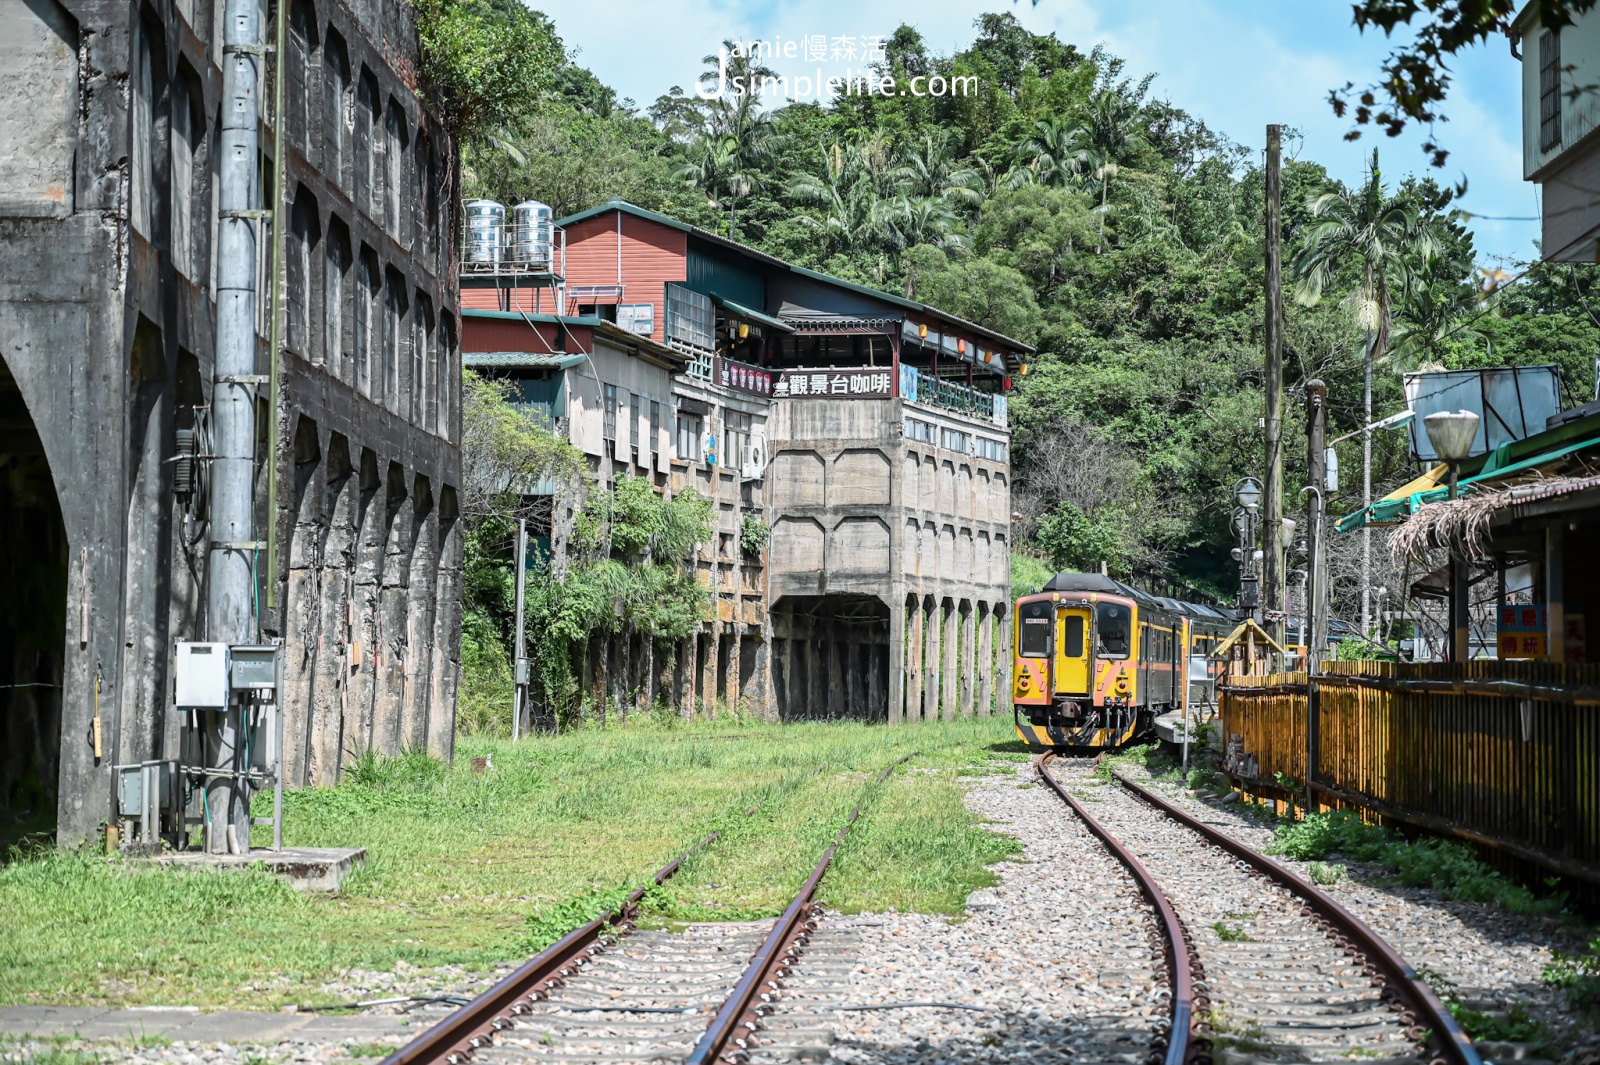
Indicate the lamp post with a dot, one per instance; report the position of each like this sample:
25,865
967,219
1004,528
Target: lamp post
1451,433
1247,493
1393,421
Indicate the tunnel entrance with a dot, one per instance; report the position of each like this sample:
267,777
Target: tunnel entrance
33,572
830,657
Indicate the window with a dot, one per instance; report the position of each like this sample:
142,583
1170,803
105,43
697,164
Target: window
608,430
952,440
305,235
690,428
993,450
637,318
919,430
1549,90
736,426
655,428
1116,629
188,156
689,318
367,183
396,143
368,292
1034,639
302,56
148,88
423,384
1072,636
396,338
633,420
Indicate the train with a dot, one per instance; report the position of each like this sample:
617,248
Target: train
1096,661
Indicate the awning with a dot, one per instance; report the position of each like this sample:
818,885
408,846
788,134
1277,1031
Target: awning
1408,499
521,360
739,310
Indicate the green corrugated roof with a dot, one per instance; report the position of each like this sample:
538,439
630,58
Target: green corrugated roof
521,360
755,316
522,316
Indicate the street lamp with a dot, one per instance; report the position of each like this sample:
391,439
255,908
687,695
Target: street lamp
1451,433
1247,493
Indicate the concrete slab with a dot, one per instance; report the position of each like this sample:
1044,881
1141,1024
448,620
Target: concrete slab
45,1020
141,1021
240,1026
303,868
340,1029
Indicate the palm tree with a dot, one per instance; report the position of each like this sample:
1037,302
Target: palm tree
931,170
733,140
1386,238
852,192
1115,132
1057,152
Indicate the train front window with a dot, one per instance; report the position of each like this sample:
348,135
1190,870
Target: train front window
1116,628
1034,639
1072,636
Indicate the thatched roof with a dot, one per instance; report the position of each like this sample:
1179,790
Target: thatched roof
1464,524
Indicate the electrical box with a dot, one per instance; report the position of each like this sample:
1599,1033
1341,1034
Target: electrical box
202,675
131,783
523,672
254,668
1330,462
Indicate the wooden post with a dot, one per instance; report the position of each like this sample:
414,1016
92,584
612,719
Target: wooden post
1272,578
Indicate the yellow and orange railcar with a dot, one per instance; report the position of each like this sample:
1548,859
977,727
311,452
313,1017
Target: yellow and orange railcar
1097,661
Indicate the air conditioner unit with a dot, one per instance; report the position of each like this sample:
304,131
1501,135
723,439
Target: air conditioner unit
755,459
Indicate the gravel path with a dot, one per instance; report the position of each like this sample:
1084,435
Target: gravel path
1049,953
1491,960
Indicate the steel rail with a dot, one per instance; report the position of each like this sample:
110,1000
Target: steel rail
1446,1038
473,1026
1180,962
730,1030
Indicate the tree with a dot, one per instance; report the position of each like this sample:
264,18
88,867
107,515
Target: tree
1416,77
735,137
1384,237
490,64
1057,153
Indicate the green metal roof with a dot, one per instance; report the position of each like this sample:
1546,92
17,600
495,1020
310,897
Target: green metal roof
1389,511
755,316
521,360
541,319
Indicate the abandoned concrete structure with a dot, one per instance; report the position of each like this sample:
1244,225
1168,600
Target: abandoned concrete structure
107,312
865,430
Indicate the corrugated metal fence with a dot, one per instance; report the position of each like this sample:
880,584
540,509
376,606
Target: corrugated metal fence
1501,753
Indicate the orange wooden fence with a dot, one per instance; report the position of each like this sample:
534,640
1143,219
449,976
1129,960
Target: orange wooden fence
1501,753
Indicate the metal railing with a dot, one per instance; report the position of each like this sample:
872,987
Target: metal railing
924,388
1502,754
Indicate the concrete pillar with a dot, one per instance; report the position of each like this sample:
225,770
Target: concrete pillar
302,597
1002,657
949,680
360,731
390,648
967,656
444,670
708,682
730,665
986,659
932,652
897,661
330,683
911,663
421,589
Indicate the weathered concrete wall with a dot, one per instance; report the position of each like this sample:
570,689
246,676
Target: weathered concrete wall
106,329
860,512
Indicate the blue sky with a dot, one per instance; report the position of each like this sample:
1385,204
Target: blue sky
1238,64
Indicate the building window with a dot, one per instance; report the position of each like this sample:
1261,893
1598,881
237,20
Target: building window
368,293
690,321
655,428
1549,90
608,429
736,426
633,421
335,280
951,440
336,110
993,450
690,429
637,318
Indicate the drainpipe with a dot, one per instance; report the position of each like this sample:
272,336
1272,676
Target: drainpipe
229,580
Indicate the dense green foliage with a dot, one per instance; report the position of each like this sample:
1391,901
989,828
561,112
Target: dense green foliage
1067,205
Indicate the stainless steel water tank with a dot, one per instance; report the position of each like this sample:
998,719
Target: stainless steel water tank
486,231
532,233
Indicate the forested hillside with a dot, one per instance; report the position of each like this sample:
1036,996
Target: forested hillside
1065,204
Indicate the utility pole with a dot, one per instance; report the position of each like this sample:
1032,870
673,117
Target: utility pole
1316,504
519,700
1272,577
229,571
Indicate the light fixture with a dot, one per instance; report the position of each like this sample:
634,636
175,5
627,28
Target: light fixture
961,346
922,332
1248,493
744,330
1452,433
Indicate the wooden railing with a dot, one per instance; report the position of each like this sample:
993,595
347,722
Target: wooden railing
1506,754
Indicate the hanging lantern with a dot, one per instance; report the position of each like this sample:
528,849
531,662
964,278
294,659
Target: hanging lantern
922,332
744,330
961,347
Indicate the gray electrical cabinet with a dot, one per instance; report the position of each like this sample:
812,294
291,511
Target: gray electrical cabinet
201,675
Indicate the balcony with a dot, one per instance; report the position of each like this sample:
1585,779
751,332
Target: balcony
932,391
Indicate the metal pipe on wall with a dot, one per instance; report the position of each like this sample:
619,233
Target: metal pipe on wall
229,580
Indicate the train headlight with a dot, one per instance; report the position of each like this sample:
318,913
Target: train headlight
1122,684
1023,681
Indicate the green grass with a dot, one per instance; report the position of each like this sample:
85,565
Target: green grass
473,869
1447,866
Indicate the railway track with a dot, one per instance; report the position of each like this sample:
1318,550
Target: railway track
1283,973
609,993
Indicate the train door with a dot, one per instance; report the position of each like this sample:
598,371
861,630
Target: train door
1072,652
